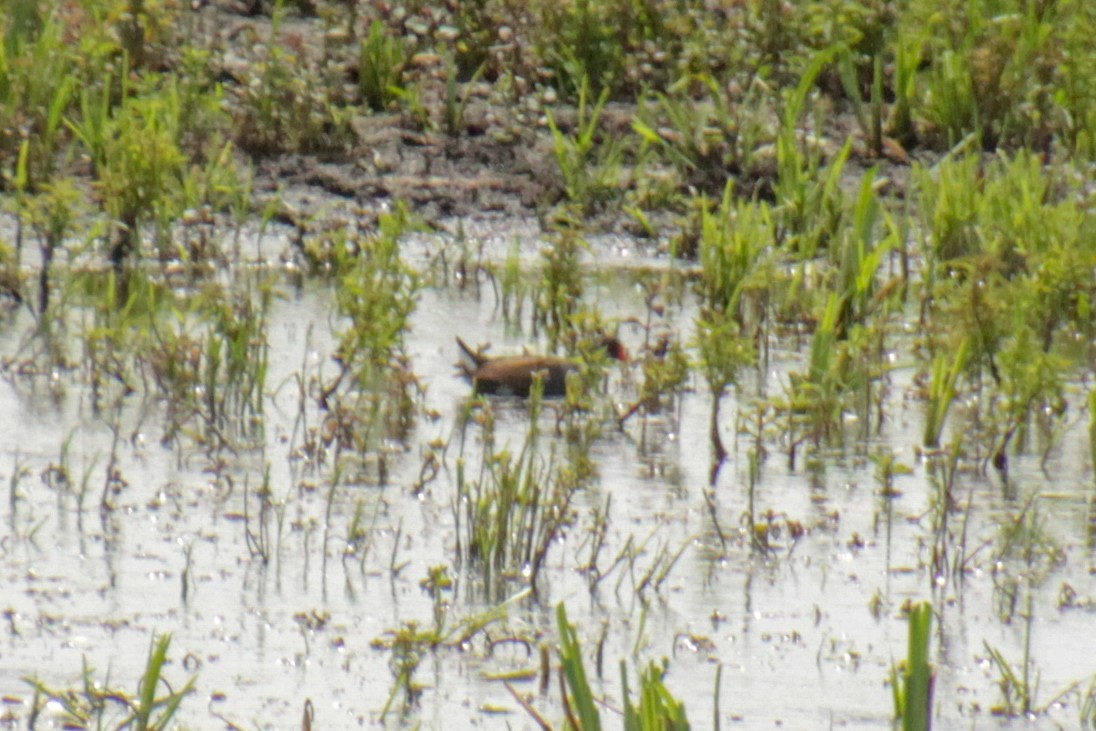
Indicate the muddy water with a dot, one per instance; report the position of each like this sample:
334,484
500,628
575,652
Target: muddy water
805,633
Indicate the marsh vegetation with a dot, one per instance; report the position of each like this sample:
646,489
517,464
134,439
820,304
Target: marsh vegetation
850,245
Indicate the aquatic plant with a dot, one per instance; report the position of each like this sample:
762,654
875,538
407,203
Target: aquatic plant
473,50
816,396
260,528
1088,706
1031,383
589,160
456,101
514,506
858,255
946,369
236,358
513,285
988,61
283,106
908,50
580,44
380,67
1005,308
887,469
581,710
706,136
377,293
1092,425
410,643
665,371
560,288
943,470
51,213
724,352
657,708
39,75
737,256
208,357
1017,691
100,705
810,212
913,679
139,166
870,119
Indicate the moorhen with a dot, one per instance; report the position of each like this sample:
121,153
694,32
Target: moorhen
512,375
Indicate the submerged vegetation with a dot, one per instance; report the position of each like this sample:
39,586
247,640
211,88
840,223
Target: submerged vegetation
854,215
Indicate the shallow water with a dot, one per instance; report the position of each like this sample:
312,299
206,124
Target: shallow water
793,628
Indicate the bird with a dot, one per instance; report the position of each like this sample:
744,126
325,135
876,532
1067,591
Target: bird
513,375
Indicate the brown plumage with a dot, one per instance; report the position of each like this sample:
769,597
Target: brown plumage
512,375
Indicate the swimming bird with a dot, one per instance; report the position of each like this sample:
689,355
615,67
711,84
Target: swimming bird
512,375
